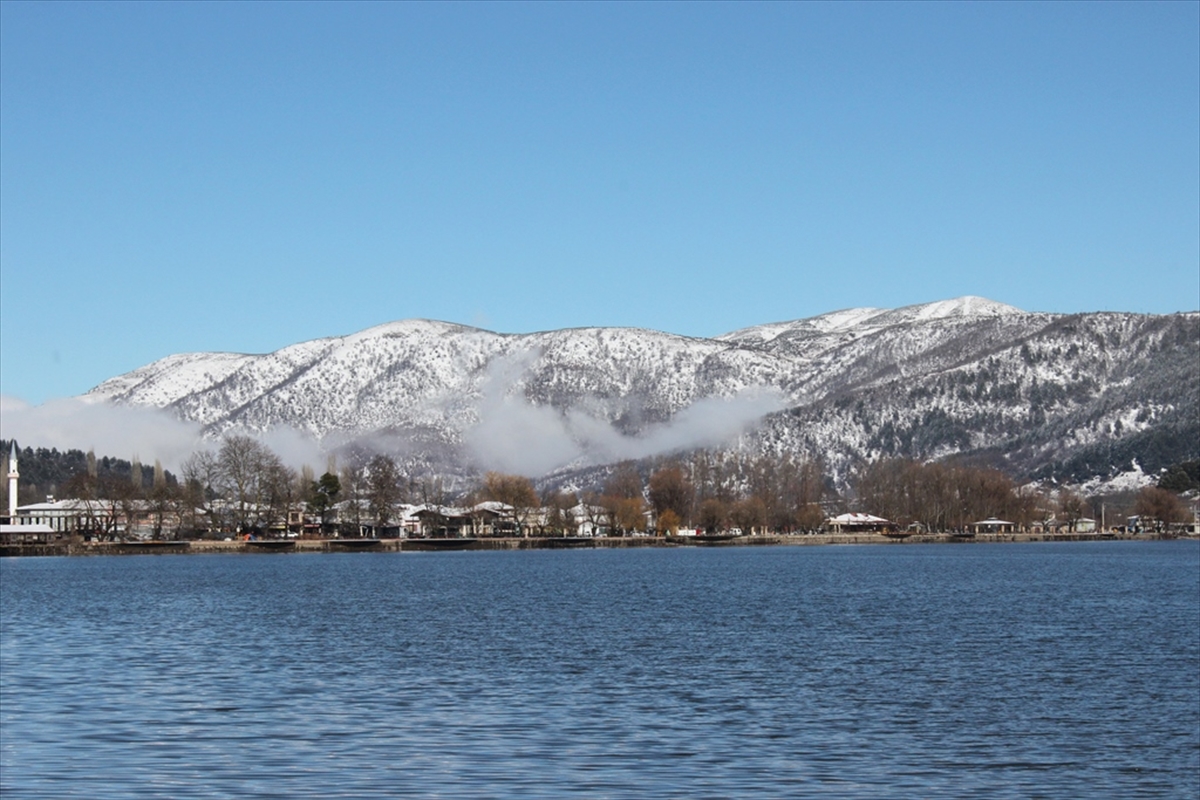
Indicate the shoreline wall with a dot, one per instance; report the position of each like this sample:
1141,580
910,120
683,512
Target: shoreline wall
271,546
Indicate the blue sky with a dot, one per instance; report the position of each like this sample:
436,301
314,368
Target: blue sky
232,176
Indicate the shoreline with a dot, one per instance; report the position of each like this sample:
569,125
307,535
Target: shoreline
291,546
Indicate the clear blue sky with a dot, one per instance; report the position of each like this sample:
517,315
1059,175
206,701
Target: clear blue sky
238,176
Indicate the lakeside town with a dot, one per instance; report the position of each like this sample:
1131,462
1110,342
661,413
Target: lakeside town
242,498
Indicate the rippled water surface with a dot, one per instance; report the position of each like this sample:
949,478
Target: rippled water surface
1043,670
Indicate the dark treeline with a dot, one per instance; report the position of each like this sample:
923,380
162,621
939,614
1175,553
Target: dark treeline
1162,447
1184,477
47,472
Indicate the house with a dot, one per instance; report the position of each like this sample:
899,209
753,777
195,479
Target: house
31,533
493,518
993,525
77,516
443,522
58,515
590,520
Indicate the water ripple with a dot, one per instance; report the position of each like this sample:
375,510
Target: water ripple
984,671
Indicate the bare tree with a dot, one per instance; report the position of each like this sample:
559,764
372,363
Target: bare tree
1160,505
100,512
628,513
354,492
385,489
431,489
282,492
749,514
940,496
242,465
559,518
668,522
202,477
1072,507
515,491
671,491
622,499
714,515
162,497
595,512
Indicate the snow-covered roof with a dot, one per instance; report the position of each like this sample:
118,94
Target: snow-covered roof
856,518
60,505
441,511
26,529
494,506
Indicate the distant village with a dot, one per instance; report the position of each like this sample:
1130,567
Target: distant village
243,492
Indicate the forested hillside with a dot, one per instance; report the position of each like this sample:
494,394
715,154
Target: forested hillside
46,472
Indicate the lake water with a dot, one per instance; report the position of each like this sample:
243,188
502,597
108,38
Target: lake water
1040,670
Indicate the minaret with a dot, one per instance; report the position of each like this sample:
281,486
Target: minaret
13,475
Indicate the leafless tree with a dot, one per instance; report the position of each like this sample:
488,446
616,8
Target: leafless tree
515,491
671,491
202,477
1161,505
242,468
385,489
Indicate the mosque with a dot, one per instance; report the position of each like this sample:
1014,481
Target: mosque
36,524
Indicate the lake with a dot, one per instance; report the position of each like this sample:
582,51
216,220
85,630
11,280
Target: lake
974,670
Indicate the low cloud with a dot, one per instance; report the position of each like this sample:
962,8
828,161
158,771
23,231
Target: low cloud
295,448
110,430
125,431
513,435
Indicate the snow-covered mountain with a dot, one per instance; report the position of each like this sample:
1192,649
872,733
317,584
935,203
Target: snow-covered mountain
1077,394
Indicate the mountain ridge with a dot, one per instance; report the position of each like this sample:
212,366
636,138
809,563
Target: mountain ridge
954,377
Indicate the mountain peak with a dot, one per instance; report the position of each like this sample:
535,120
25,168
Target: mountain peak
413,327
968,306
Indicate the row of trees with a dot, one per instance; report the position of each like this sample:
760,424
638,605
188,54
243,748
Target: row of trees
943,496
108,496
709,491
244,486
716,492
47,471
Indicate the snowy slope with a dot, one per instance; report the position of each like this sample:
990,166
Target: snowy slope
959,376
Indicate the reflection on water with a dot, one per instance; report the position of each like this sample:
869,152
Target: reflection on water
934,671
